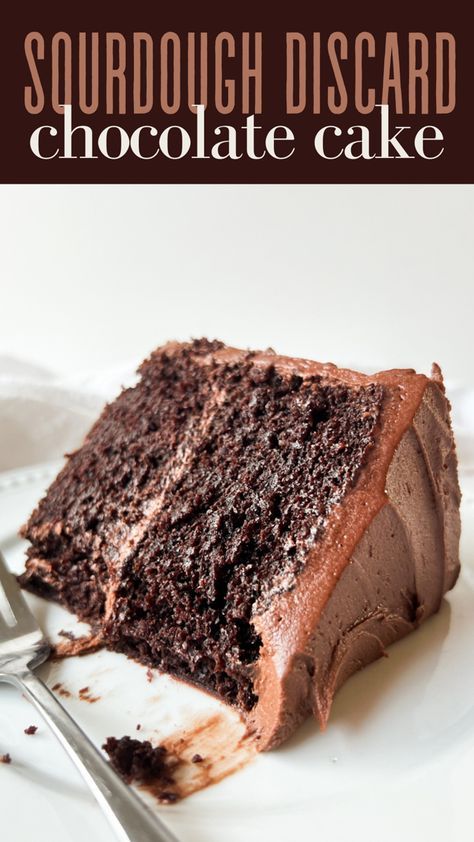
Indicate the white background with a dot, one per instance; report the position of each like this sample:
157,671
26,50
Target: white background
368,276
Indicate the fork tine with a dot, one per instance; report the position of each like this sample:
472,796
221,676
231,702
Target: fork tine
22,614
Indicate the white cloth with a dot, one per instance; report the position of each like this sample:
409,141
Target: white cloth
43,416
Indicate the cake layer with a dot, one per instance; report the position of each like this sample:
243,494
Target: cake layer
259,525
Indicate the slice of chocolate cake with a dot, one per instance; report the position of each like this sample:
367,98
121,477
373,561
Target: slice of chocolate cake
259,525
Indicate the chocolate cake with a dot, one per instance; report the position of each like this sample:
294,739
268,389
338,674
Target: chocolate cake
138,760
259,525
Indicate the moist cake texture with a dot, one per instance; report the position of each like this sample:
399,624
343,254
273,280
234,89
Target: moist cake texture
138,760
259,525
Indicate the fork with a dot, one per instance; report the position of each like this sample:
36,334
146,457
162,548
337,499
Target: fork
23,648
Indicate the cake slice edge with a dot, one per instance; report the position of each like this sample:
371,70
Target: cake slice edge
394,565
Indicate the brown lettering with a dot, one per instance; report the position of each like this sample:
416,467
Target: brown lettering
391,72
61,43
364,39
418,72
142,43
334,39
254,73
295,54
445,106
86,73
224,105
34,38
115,73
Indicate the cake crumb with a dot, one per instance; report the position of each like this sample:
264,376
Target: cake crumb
5,758
58,688
196,758
139,727
69,635
86,696
32,729
149,675
137,761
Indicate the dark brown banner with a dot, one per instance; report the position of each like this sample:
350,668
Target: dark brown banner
250,93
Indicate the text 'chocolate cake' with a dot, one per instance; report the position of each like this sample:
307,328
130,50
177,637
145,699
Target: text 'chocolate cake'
259,525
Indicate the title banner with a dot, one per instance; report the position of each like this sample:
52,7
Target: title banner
203,94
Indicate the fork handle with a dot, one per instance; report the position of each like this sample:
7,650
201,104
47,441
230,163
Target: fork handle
130,818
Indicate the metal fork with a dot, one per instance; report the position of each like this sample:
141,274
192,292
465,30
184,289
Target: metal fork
23,647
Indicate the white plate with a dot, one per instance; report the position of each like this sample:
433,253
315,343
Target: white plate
396,762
